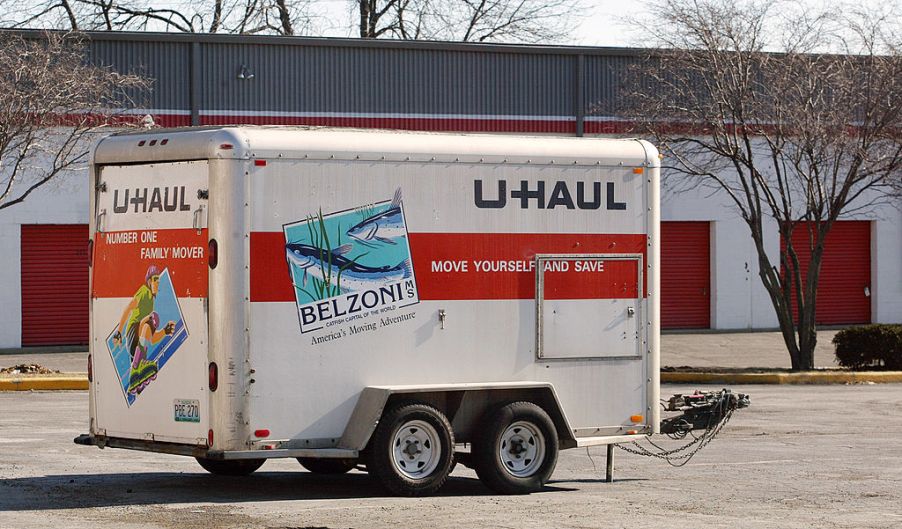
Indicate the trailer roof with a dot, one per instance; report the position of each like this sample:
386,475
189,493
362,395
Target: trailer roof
319,143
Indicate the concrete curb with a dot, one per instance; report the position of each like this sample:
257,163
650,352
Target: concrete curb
56,382
807,377
79,381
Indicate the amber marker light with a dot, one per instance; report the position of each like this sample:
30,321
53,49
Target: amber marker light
638,170
636,418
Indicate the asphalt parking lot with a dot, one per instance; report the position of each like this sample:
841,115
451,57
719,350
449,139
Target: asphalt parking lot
801,456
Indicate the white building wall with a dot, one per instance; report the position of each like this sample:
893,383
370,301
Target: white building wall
64,201
886,266
739,300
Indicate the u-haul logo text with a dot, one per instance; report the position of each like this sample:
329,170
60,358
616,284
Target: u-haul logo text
150,199
586,195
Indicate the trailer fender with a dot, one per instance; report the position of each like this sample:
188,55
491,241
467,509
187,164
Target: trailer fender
463,404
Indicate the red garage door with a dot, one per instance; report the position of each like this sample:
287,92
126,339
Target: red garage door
685,275
54,284
843,292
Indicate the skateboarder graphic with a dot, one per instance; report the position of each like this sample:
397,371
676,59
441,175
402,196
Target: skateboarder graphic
137,318
143,371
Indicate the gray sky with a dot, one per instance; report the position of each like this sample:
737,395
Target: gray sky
604,25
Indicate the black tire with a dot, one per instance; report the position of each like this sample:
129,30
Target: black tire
230,467
327,466
528,438
405,456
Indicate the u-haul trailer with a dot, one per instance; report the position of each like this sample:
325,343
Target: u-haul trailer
381,299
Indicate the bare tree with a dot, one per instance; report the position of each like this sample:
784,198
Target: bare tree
800,137
51,103
279,17
450,20
468,20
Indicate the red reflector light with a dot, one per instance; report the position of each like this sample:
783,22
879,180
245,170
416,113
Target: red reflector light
90,369
261,433
210,437
90,253
226,146
260,163
212,253
141,143
214,376
164,141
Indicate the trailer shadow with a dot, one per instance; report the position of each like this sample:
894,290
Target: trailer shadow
556,482
75,491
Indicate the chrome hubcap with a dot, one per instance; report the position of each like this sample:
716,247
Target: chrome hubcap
416,449
522,449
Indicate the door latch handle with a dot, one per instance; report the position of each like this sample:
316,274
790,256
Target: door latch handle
98,224
198,218
630,311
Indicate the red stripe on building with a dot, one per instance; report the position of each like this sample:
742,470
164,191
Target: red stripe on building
171,120
458,276
123,258
609,127
402,123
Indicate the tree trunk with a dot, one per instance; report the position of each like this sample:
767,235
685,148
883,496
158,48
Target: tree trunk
284,18
800,346
808,321
364,18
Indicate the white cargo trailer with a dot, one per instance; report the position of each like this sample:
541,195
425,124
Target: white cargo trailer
393,300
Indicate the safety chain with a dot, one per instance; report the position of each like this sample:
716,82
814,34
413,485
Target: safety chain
675,457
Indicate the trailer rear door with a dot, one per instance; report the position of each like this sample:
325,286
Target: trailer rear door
149,302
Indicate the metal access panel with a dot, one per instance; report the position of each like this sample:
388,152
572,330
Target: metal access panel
588,306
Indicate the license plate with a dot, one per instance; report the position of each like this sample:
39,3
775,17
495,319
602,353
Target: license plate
186,410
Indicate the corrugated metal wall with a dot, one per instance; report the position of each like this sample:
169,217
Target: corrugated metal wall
344,82
402,81
166,63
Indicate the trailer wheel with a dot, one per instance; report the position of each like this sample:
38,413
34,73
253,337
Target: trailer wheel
230,467
327,466
516,449
411,450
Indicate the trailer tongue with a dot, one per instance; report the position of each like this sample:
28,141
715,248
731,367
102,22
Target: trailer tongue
708,411
701,411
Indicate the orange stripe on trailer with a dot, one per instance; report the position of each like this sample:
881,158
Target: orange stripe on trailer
122,258
459,266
